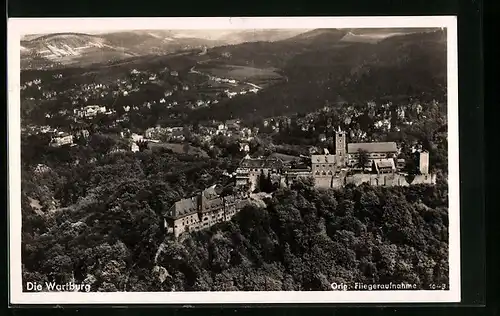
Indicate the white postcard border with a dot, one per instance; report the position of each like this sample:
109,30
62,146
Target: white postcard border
18,27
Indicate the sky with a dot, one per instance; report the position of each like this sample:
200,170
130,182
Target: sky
202,33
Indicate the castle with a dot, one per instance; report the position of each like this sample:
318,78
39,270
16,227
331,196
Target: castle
328,171
201,211
379,161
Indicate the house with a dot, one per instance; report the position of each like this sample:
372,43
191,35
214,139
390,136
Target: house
374,151
90,110
384,166
182,216
231,94
155,132
134,147
323,165
250,169
61,139
83,133
41,168
244,147
136,137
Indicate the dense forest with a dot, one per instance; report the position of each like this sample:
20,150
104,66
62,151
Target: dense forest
301,239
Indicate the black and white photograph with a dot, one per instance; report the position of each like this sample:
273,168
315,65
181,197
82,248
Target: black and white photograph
233,160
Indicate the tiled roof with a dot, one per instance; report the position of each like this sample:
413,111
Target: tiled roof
385,163
323,159
184,207
284,157
383,147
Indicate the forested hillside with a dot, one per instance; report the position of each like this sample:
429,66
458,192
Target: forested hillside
396,69
304,239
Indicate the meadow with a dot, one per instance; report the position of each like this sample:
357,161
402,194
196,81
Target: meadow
242,73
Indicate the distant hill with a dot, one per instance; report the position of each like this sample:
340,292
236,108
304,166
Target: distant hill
277,53
316,67
318,36
268,35
396,68
77,49
67,49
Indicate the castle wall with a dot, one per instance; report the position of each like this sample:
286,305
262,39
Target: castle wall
322,182
328,182
389,179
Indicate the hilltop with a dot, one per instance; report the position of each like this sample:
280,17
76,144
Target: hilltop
79,49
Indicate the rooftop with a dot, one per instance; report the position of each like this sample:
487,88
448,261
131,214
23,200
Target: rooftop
386,163
323,159
212,192
284,157
183,207
383,147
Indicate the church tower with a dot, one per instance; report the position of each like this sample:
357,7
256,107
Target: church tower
340,148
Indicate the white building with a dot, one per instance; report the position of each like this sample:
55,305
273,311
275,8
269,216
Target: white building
424,162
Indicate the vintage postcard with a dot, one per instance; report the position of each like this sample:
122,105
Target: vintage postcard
233,160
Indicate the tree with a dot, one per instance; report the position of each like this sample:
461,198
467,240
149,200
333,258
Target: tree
101,144
363,159
143,145
262,182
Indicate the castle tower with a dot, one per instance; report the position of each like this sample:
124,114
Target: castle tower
340,148
424,162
